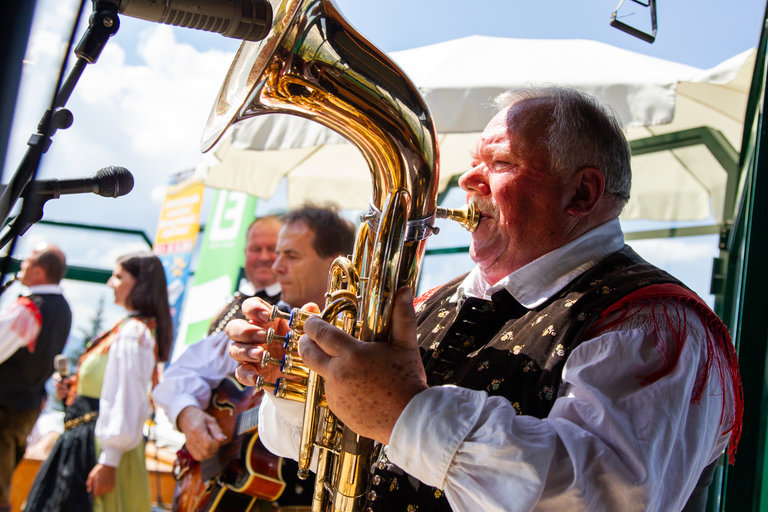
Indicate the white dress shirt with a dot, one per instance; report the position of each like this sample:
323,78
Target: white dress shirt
19,326
246,288
192,377
609,443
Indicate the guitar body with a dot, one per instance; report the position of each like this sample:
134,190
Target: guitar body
242,471
217,497
189,484
256,472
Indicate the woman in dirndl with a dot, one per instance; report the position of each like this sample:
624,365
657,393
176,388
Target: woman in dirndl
98,463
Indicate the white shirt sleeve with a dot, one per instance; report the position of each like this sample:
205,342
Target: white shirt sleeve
280,425
124,403
190,379
19,327
609,443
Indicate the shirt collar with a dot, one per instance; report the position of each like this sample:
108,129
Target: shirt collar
540,279
246,288
46,288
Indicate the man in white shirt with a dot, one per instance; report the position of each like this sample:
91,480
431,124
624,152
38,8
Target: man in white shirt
296,251
562,373
32,331
185,390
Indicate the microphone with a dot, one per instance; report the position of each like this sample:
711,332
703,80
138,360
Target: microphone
107,182
239,19
61,365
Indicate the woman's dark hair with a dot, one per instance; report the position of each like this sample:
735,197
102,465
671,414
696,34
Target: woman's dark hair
149,295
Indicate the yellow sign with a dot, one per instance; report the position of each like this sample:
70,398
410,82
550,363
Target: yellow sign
179,219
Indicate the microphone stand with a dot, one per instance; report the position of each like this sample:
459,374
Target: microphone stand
29,215
102,24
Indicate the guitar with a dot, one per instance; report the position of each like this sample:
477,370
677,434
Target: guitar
242,471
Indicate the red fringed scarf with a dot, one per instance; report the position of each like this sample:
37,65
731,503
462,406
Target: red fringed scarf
720,353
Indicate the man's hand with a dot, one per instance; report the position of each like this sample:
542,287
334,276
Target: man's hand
202,432
367,385
101,480
249,338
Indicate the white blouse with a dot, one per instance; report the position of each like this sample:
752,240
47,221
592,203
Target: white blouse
124,403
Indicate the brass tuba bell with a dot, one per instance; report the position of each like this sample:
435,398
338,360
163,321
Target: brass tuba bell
313,64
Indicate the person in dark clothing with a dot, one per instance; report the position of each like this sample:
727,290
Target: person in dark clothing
32,331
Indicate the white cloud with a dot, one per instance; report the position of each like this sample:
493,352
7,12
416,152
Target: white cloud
161,105
142,105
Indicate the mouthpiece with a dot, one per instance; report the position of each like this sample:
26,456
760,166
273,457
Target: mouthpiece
468,216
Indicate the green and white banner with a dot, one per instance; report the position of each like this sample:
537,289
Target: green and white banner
219,266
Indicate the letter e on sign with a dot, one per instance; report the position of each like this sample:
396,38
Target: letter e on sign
228,215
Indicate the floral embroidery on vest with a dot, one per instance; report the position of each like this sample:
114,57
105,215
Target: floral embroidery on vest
477,344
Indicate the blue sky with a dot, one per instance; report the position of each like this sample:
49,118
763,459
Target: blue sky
144,103
698,33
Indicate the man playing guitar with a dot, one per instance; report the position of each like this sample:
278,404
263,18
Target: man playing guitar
213,411
222,465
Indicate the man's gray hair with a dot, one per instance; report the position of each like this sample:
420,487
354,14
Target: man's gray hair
581,132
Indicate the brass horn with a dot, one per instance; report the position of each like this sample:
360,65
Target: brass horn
313,64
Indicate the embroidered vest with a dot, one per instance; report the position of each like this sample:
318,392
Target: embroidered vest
505,349
229,312
233,310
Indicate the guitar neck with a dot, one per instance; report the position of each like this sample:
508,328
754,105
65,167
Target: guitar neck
247,421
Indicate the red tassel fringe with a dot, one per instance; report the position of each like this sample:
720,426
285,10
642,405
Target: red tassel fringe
720,353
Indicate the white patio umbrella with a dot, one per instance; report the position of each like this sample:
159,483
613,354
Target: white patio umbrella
459,79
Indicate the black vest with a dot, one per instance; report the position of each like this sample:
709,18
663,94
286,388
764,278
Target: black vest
505,349
23,375
233,310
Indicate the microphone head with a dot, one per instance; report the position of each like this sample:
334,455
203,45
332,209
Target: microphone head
61,365
113,181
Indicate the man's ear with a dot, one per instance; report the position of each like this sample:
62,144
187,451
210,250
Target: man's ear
588,187
37,274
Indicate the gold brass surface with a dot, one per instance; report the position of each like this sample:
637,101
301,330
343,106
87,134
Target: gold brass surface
313,64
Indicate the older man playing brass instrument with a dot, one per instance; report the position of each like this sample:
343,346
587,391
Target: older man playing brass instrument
562,373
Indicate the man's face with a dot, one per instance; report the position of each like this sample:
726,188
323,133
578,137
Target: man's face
303,275
260,252
520,199
31,273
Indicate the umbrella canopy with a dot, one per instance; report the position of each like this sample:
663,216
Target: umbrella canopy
459,80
